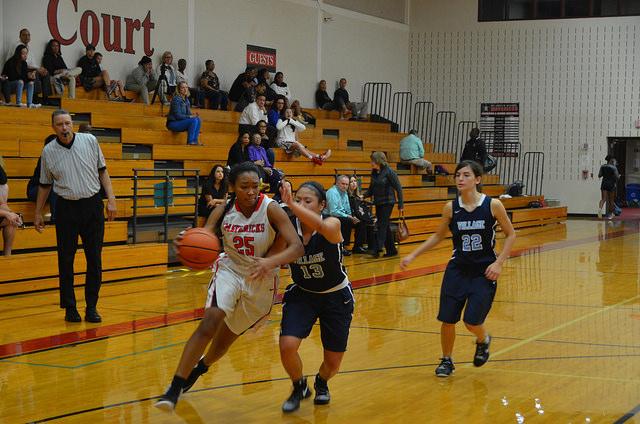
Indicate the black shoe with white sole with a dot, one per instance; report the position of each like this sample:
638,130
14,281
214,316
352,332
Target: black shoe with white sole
482,352
300,391
446,367
322,396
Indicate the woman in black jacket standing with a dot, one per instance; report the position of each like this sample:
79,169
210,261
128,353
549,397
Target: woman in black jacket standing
383,187
475,148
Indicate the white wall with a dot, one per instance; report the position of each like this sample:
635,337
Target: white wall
343,54
354,45
576,81
167,15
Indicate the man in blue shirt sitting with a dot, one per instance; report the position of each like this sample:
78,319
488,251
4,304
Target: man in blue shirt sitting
338,206
412,151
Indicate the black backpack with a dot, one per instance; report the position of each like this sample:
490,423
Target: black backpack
515,189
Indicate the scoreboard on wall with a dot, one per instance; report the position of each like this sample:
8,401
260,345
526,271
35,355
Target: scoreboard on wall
500,128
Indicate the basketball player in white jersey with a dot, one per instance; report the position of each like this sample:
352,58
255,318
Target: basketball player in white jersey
245,277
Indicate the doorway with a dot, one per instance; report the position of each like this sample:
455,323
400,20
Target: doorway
627,152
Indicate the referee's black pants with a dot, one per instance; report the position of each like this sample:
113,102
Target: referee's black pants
84,218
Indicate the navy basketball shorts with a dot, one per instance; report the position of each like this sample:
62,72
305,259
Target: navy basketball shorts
468,287
301,309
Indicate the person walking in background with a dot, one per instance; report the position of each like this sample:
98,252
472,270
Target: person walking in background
383,188
74,166
180,118
610,175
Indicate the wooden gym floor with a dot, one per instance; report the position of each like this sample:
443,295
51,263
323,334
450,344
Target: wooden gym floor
565,326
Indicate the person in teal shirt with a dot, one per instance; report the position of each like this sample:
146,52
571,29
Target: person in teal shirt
412,151
338,206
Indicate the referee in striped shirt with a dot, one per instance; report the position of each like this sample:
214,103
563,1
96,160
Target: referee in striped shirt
74,166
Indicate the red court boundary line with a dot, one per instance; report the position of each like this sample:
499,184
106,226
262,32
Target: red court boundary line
73,337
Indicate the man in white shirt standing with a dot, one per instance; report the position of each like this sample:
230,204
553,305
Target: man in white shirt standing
74,166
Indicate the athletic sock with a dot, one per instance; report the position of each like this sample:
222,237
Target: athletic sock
176,386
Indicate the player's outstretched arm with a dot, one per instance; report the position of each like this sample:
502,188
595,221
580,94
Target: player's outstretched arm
435,238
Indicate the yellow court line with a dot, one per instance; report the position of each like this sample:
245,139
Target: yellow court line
555,374
560,327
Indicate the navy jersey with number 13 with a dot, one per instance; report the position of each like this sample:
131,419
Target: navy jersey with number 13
320,268
474,235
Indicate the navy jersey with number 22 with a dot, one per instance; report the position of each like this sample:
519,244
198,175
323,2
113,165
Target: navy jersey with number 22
474,235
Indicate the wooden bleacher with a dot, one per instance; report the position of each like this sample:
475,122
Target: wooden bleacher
141,125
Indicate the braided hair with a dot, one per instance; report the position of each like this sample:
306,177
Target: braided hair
236,171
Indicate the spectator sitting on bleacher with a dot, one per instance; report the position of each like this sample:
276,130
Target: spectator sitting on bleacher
359,209
210,85
60,75
93,76
118,91
258,155
338,206
180,118
242,82
17,73
280,87
277,109
36,73
254,112
288,129
166,68
214,191
196,96
412,151
238,152
267,139
248,96
474,148
323,101
298,114
143,80
9,221
264,77
3,78
34,182
343,104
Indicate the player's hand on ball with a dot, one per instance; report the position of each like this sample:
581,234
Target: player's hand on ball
493,271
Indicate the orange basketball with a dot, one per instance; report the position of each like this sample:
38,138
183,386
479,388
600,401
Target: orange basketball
198,248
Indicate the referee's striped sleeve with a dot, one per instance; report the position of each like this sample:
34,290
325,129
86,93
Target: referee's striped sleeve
45,174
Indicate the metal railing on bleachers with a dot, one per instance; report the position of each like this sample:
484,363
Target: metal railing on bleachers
163,196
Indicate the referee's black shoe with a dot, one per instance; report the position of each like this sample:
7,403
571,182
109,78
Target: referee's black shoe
92,315
72,315
482,352
300,391
322,396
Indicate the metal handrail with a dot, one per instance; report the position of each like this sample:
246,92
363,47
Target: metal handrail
167,179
